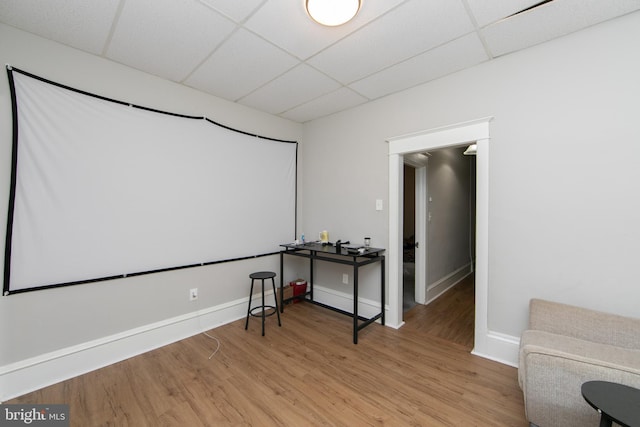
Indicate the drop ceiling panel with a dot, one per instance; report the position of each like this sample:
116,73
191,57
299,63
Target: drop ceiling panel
551,20
488,11
300,85
338,100
287,24
168,38
446,59
237,10
77,23
245,62
417,25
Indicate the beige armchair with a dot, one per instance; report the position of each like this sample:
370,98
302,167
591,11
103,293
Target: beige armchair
566,346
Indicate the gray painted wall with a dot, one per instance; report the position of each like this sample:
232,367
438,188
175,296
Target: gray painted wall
563,177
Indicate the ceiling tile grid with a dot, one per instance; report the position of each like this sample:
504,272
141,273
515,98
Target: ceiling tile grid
270,55
417,26
324,105
291,89
237,10
454,56
168,38
486,12
232,70
287,24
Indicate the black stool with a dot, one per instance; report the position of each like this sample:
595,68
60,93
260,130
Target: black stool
262,275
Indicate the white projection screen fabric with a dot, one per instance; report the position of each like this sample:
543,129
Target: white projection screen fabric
102,189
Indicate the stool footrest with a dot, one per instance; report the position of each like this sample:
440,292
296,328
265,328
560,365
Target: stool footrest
263,308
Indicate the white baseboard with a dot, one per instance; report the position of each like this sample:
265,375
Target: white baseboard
499,347
37,372
344,301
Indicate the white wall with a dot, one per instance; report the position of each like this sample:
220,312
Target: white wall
563,181
37,326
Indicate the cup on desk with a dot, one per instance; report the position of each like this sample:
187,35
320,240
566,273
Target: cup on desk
367,242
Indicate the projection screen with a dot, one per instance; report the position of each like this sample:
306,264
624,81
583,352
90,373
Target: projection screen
102,189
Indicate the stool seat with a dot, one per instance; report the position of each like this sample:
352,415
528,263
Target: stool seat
262,276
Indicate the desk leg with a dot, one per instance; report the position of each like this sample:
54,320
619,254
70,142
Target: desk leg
605,421
382,301
311,278
281,282
355,305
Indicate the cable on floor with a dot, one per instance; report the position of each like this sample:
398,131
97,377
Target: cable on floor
216,340
205,333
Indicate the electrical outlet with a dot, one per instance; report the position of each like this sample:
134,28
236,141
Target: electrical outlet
193,294
345,279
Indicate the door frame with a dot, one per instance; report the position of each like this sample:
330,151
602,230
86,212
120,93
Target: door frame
420,163
475,131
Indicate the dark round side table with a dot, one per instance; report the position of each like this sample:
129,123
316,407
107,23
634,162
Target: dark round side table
614,402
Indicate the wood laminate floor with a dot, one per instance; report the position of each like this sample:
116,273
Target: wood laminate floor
306,373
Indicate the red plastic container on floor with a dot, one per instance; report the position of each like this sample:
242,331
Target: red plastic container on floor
299,288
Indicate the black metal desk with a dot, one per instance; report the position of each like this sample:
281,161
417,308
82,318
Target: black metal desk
317,251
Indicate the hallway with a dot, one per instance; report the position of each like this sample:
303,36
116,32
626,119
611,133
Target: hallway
450,317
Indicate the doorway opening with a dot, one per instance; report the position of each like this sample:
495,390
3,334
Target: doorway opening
445,210
441,304
450,136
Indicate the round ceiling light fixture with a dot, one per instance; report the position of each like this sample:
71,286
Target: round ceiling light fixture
332,12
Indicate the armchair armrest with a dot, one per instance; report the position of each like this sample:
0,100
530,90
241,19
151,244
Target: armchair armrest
553,377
